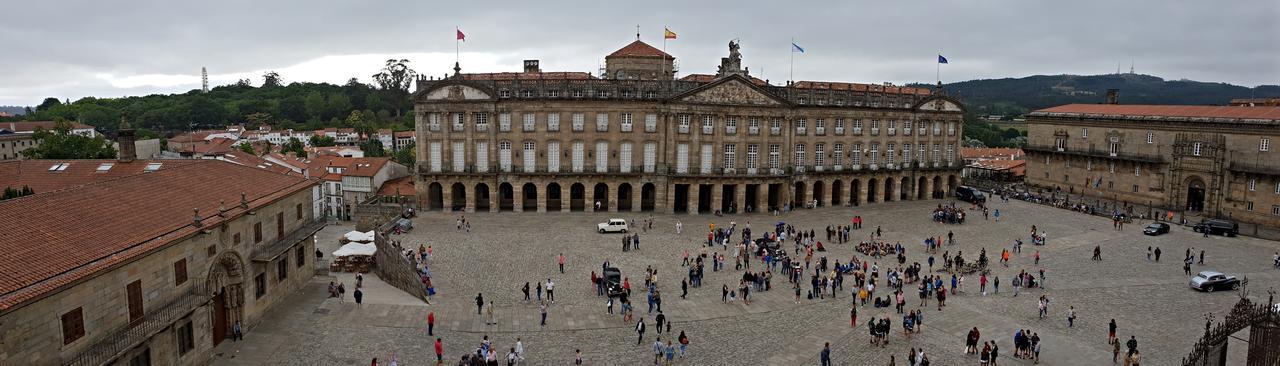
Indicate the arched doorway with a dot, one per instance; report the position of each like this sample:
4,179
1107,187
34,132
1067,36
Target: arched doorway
855,189
905,192
837,191
1195,194
888,189
577,197
938,190
871,190
921,192
225,283
953,182
600,197
624,197
553,197
459,197
506,197
482,197
799,197
648,195
530,193
435,196
819,190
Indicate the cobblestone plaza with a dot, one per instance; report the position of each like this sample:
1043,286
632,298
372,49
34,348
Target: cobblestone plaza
1148,300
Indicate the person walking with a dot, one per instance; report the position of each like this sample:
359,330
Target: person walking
561,261
525,290
439,352
1201,256
359,296
237,332
684,288
1111,334
659,320
1157,254
658,348
640,330
684,343
1071,316
489,310
825,356
542,308
431,323
479,303
551,287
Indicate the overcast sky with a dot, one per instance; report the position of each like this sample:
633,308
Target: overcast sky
72,49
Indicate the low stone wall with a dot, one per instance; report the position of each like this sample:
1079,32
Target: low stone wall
391,266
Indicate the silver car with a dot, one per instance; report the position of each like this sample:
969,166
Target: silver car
1209,280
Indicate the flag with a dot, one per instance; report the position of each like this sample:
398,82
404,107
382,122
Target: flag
668,34
461,37
796,48
1097,183
942,60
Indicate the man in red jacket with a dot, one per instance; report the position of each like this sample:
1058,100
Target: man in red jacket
431,323
439,352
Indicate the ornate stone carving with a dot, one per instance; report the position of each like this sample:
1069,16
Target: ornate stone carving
733,93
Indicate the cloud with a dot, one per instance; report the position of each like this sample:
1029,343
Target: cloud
158,46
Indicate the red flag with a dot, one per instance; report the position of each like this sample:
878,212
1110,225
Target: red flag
461,37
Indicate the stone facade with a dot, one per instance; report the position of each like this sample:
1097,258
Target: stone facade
217,279
562,142
1215,166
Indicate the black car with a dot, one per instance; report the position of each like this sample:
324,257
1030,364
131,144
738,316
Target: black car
1156,228
1217,227
612,278
970,194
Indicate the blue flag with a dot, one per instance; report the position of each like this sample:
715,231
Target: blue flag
796,48
1098,183
942,60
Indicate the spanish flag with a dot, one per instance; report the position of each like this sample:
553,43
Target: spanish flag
668,34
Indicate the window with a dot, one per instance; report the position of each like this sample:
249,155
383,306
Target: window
706,155
578,121
1253,184
1248,206
801,126
1088,165
819,126
504,123
457,121
682,158
577,156
437,160
602,157
553,122
526,93
799,155
1113,148
1277,187
134,290
482,121
504,93
577,93
553,93
553,156
433,121
235,238
624,157
920,157
875,127
257,232
279,225
906,128
708,125
936,156
482,156
951,128
300,256
839,126
625,121
875,154
937,128
180,272
504,156
1195,148
684,123
730,156
186,338
888,154
1084,133
650,157
1137,170
775,156
529,120
1135,186
72,325
282,269
211,251
650,122
837,151
1151,137
893,127
753,152
775,126
819,156
856,156
460,156
1060,143
59,167
857,127
753,125
104,167
1275,209
142,358
1264,144
951,153
151,167
731,125
602,122
906,152
259,285
530,156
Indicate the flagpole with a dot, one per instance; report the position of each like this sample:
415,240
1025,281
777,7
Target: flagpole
793,60
664,54
457,46
937,73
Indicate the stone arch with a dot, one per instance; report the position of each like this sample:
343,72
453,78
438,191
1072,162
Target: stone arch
855,191
577,197
837,191
600,194
529,197
553,197
905,192
506,197
225,283
1194,198
648,195
819,193
888,189
435,196
872,188
483,201
799,197
458,197
624,197
921,191
938,190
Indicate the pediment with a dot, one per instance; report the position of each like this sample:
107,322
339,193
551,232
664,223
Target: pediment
733,91
940,105
456,92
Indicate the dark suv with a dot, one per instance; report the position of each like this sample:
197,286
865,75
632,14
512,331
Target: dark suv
1217,227
970,194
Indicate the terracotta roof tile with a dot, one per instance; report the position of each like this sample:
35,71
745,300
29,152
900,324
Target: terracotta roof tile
529,76
365,167
403,184
991,153
93,227
37,174
705,78
1189,111
830,85
639,49
31,126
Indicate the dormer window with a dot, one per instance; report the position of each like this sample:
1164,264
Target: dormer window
104,167
59,167
151,167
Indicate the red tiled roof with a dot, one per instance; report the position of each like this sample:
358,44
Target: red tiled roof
1018,167
529,76
36,173
639,49
1189,111
249,160
51,240
404,134
365,167
705,78
403,184
859,87
31,126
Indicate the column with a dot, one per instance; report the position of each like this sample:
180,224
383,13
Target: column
612,197
564,196
717,197
694,190
471,201
894,190
542,197
863,191
802,197
762,198
740,197
928,187
447,192
667,195
517,197
637,192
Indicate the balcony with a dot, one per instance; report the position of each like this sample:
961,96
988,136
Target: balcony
272,250
799,169
892,131
837,168
683,129
775,131
433,126
730,130
502,127
553,127
751,171
650,127
458,127
707,130
855,167
873,166
1256,168
906,131
857,130
839,130
602,127
577,127
801,130
626,127
875,131
116,342
820,130
753,130
819,168
528,127
1096,153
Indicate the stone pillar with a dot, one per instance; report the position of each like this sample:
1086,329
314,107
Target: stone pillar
864,191
447,193
894,190
542,197
471,200
740,197
717,197
762,197
564,197
802,197
637,192
517,197
928,187
667,195
612,197
495,202
694,190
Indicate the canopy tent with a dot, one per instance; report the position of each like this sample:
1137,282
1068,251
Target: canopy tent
359,236
350,249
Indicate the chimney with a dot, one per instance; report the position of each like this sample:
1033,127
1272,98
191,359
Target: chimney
1113,96
128,150
531,66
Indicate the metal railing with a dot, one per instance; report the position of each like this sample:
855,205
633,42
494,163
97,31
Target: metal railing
1097,153
123,339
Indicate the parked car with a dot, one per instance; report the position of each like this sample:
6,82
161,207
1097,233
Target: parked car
614,225
1156,228
612,282
1209,280
970,194
1217,227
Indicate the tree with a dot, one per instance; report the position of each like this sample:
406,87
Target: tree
337,105
314,104
62,144
395,79
322,141
373,148
258,119
294,146
49,102
206,112
406,155
10,192
271,79
247,148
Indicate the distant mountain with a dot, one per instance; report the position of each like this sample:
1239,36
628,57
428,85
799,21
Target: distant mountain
1012,96
14,110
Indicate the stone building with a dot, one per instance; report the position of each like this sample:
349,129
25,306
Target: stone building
108,263
1214,161
567,141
